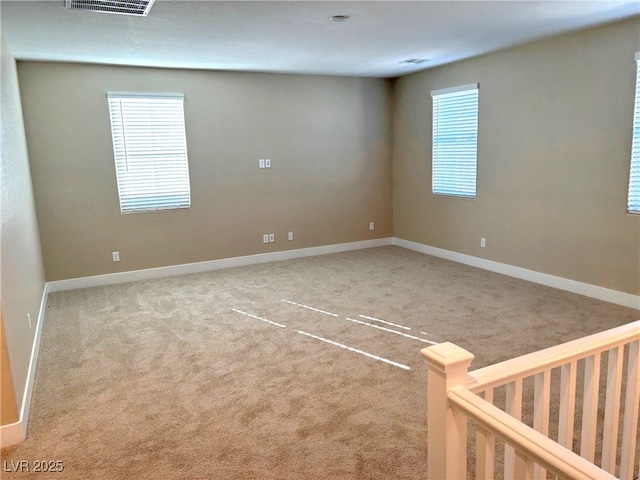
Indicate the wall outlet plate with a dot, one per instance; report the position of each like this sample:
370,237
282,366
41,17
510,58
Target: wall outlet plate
371,226
267,163
272,238
290,235
115,256
261,163
265,238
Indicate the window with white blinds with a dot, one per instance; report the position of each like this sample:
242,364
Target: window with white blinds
150,150
633,203
455,141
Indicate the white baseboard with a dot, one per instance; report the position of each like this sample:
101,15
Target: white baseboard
184,269
600,293
15,433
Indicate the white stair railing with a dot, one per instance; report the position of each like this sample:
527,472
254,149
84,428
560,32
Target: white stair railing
456,396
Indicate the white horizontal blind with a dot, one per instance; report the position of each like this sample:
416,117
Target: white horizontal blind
150,149
633,204
455,141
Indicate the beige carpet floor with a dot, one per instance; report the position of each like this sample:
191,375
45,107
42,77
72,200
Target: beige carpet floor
186,378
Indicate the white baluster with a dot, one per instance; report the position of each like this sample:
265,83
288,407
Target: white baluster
514,465
567,404
630,424
485,447
590,407
612,410
541,412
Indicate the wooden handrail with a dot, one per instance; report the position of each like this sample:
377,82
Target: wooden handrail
545,452
536,362
453,397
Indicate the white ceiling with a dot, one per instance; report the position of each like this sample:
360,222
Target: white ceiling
295,36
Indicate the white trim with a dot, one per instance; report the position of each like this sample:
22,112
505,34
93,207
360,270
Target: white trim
145,95
593,291
184,269
15,433
460,88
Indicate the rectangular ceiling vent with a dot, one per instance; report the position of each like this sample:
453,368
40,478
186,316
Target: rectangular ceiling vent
118,7
414,61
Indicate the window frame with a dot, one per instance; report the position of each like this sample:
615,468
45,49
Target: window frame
150,151
461,184
633,192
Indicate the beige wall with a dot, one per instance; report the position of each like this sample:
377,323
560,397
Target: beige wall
553,159
329,140
555,133
22,275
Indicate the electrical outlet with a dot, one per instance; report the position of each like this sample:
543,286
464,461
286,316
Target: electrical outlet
115,256
290,235
267,163
261,163
371,225
272,238
483,242
265,238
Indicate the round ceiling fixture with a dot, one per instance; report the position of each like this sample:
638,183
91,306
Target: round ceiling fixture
339,18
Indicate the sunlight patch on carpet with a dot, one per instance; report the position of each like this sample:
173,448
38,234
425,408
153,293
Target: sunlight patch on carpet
424,340
310,308
259,318
385,322
351,349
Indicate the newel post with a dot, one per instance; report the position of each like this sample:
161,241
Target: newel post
447,366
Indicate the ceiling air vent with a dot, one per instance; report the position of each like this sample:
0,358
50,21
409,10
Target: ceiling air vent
414,61
119,7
